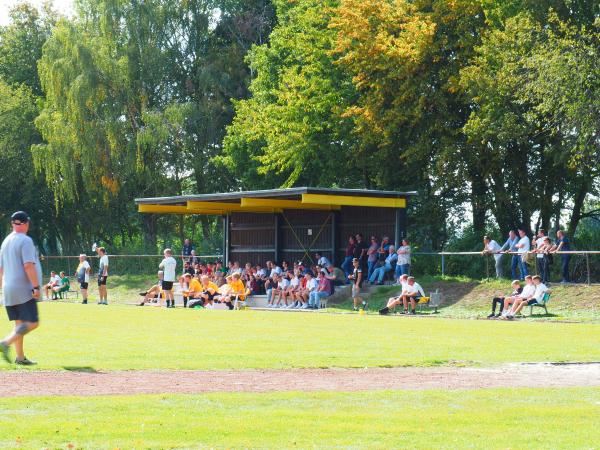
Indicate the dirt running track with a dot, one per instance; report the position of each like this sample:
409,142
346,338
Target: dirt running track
22,383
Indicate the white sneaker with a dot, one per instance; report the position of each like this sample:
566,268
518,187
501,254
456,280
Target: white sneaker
305,306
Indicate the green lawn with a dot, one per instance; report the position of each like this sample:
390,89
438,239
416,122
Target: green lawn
495,418
128,337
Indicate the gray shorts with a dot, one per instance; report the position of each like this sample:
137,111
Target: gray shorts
355,291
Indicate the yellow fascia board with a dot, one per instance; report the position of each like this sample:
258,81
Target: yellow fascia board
350,200
174,209
284,204
223,206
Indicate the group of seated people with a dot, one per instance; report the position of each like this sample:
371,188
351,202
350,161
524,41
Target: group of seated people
296,286
57,284
411,292
531,294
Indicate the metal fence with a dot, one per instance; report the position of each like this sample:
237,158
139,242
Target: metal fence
584,266
118,264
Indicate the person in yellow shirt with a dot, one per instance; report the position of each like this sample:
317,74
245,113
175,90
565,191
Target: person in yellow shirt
201,292
234,288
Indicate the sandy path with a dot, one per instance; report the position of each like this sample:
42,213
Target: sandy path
21,383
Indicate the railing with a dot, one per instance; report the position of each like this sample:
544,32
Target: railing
118,264
584,266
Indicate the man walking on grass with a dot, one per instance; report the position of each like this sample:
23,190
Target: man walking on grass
20,275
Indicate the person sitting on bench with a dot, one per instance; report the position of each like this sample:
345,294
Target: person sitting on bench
540,290
235,290
395,301
63,286
154,292
202,293
413,293
54,281
517,289
527,291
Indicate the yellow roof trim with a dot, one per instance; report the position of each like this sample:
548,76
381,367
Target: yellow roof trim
283,204
349,200
174,209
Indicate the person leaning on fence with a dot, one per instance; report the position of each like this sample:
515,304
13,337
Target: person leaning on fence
517,289
546,259
83,277
372,256
510,246
536,297
563,244
536,247
396,300
413,293
491,247
523,247
527,291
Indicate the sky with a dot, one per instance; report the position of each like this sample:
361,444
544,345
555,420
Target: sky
64,7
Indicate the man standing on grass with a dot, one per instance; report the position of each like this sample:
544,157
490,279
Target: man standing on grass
83,276
102,276
20,275
169,267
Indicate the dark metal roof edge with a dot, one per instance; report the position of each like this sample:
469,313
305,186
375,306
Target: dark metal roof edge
273,193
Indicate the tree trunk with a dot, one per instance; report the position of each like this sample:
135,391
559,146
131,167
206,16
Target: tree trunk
149,230
478,204
578,203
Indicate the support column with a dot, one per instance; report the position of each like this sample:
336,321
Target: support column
277,235
226,238
335,234
400,226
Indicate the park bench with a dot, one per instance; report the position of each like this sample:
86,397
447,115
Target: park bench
541,304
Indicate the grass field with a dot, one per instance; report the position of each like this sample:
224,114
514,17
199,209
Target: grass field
495,418
127,337
79,337
463,297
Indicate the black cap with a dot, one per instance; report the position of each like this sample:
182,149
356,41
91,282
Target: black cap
20,216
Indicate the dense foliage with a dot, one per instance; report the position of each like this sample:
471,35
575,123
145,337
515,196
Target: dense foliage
490,109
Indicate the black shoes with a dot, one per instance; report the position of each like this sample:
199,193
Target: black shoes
384,311
491,316
24,362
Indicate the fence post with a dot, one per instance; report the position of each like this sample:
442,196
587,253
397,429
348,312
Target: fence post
587,263
443,264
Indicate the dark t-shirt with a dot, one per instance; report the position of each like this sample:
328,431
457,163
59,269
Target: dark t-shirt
566,244
187,250
355,276
360,246
350,250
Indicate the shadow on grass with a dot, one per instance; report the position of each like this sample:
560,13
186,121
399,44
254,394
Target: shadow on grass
85,369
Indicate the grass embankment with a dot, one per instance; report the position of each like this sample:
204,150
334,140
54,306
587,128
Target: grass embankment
467,298
125,337
496,418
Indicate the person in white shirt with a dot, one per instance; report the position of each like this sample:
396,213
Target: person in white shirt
169,268
83,276
537,249
280,292
53,281
403,263
102,276
528,290
395,301
539,290
413,293
491,247
523,246
293,288
322,260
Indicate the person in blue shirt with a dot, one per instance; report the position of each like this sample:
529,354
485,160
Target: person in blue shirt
388,265
563,244
510,247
